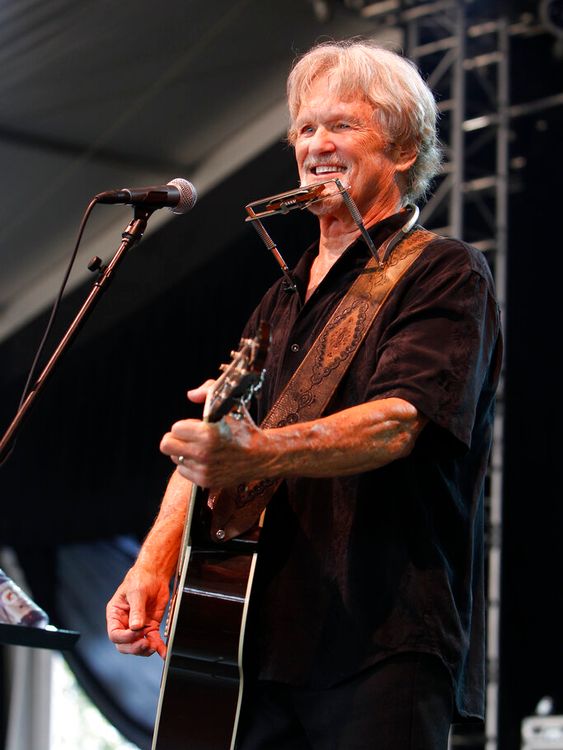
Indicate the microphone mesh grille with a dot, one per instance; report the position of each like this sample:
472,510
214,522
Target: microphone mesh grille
188,195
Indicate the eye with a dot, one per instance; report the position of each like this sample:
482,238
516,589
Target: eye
306,129
342,125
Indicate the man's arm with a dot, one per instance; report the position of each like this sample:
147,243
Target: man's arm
136,609
358,439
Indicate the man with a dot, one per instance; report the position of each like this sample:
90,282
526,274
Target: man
368,614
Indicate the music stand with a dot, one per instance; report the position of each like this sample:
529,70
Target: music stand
52,638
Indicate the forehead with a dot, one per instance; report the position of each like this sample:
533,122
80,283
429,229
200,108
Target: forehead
323,98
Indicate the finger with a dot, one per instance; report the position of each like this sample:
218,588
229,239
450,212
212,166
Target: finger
171,446
183,462
156,643
188,429
140,647
184,437
192,472
137,609
125,636
199,394
117,616
196,444
116,625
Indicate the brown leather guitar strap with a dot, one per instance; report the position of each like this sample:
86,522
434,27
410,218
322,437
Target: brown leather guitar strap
308,392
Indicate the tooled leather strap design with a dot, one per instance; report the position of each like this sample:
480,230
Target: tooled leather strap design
308,392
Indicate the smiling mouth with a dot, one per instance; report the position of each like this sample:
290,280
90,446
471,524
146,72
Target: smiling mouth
326,169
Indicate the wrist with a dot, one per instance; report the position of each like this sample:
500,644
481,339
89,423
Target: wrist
278,450
159,558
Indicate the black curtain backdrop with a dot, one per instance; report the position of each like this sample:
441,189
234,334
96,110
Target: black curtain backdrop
85,478
532,605
86,463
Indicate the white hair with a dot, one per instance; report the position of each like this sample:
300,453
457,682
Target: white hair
404,106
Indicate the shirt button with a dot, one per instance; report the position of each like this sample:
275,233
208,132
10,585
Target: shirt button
295,347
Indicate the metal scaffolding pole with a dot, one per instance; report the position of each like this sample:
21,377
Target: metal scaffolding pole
496,472
458,55
457,135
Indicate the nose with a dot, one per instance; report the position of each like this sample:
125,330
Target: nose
321,141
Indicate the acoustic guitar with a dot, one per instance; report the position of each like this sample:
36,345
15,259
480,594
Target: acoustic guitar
202,680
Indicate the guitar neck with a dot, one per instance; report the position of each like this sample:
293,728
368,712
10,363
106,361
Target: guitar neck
184,545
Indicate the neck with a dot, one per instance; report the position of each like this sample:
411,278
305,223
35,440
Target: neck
339,230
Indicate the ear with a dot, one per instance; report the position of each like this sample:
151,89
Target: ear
404,158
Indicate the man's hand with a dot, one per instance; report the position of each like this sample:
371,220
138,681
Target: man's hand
215,455
211,455
135,612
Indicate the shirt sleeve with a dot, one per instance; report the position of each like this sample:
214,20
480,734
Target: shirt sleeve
438,349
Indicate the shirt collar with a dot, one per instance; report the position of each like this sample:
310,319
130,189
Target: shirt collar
357,253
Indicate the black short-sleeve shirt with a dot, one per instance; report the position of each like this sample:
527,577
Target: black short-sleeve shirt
354,569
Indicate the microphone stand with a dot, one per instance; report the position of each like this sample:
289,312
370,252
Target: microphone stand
132,234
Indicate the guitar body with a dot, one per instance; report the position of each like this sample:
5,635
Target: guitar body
202,679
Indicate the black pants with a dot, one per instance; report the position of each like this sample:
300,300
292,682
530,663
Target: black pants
403,703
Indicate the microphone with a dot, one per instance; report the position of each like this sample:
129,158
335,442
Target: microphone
178,195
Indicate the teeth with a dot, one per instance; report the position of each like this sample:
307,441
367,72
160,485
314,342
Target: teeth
326,168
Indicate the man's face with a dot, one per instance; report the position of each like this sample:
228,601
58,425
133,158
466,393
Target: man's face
338,138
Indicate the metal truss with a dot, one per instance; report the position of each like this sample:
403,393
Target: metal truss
466,61
467,66
463,50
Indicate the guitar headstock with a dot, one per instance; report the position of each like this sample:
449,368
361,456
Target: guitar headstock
241,378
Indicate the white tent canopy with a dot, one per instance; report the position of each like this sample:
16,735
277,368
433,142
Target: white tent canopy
98,95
